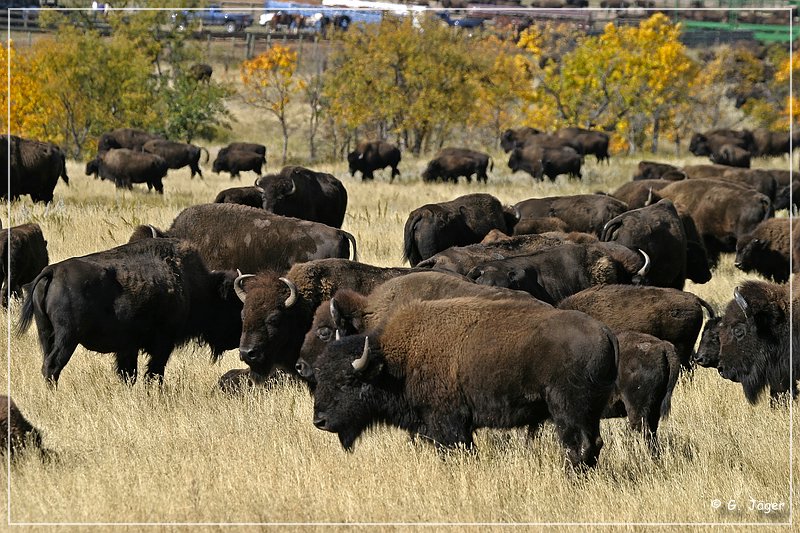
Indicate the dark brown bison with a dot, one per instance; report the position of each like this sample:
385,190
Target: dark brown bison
177,155
646,376
511,139
587,141
650,170
770,143
34,167
259,149
151,295
252,196
129,138
25,253
550,162
370,156
303,193
436,227
554,273
722,211
124,167
235,161
657,229
766,249
669,314
233,236
16,433
732,156
201,72
452,163
278,310
554,364
711,141
587,213
754,333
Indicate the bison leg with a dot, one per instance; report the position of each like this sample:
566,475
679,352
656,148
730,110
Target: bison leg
159,186
157,363
126,365
195,170
57,357
449,433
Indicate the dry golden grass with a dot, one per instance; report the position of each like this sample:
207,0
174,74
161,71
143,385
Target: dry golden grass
186,453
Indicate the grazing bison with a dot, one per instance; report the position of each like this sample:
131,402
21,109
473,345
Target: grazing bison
177,155
302,193
511,139
232,236
370,156
235,161
587,213
554,273
278,310
587,141
650,170
669,314
124,167
550,162
722,211
657,229
440,369
252,196
766,249
350,313
732,156
754,333
129,138
436,227
15,426
151,295
26,255
201,72
451,163
646,376
34,166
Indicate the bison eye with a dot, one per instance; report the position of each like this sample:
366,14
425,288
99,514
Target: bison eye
739,331
324,333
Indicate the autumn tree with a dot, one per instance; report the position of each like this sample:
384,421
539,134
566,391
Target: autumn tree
270,83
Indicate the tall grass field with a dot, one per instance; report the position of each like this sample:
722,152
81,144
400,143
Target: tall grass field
184,452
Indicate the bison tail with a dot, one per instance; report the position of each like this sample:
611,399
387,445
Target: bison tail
64,169
491,164
352,240
410,252
711,312
674,364
33,298
208,156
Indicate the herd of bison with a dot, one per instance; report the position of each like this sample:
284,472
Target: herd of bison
593,285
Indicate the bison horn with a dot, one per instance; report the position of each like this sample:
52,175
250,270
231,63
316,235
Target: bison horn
290,301
361,363
338,335
646,268
649,197
153,231
740,300
293,189
260,189
237,285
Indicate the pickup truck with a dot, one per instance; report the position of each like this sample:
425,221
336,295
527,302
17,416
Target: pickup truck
214,15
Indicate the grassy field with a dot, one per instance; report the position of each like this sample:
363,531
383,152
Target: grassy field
184,452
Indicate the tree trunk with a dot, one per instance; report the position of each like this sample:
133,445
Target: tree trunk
656,124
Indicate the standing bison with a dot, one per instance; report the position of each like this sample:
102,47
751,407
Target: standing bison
551,162
452,163
442,369
34,166
252,196
302,193
436,227
26,255
371,156
177,155
587,213
587,141
124,167
151,295
129,138
235,161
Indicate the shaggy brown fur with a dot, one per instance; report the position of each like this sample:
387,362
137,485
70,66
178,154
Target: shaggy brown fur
22,432
27,256
766,250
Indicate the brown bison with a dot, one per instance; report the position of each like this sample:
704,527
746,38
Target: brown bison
766,249
650,170
436,227
16,433
669,314
235,161
124,167
151,295
754,333
550,162
370,156
26,255
303,193
710,142
130,138
252,196
440,369
452,163
511,139
34,166
177,155
587,213
587,141
770,143
233,236
259,149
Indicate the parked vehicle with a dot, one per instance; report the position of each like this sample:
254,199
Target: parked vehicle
214,15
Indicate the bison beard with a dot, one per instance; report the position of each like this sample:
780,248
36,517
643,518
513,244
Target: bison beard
561,365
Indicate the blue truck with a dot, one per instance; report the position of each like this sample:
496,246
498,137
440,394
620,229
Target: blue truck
214,15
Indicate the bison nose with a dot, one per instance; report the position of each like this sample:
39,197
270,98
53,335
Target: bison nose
248,355
303,368
320,421
737,264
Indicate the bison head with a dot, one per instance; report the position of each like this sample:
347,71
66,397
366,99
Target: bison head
431,172
272,323
750,332
93,167
276,190
748,248
698,145
354,160
221,162
352,390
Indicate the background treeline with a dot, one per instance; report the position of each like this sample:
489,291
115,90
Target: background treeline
415,82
